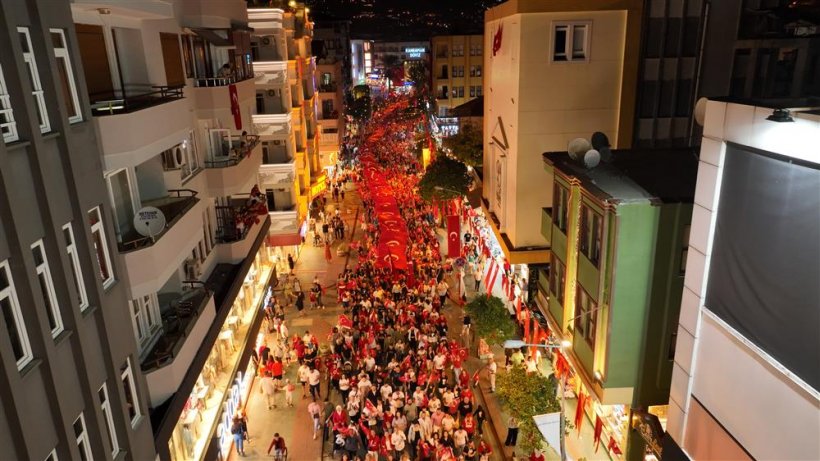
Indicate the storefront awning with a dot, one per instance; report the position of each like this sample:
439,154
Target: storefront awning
550,427
284,240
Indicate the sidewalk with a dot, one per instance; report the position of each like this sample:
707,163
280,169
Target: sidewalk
294,424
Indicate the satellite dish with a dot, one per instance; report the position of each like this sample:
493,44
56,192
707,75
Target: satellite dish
149,221
606,154
700,110
577,148
592,158
599,141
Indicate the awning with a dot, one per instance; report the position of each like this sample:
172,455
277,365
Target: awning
284,240
213,38
550,427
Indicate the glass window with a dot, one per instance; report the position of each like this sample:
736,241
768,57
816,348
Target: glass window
558,278
55,320
145,319
590,234
101,247
76,272
82,438
586,318
560,196
108,418
67,82
34,78
8,127
570,41
13,317
131,400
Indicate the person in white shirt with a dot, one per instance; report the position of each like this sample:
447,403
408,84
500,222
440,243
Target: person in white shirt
314,379
398,439
344,387
492,367
304,376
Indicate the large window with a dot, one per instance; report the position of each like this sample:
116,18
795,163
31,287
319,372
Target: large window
589,239
558,278
8,127
458,49
34,78
13,318
475,49
560,198
76,272
55,320
570,41
108,418
128,384
67,82
145,319
475,71
81,435
101,246
586,315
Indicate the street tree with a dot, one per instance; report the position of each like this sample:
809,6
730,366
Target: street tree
491,319
526,395
445,179
467,145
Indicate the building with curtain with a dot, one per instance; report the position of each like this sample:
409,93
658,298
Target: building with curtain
619,234
72,387
745,367
291,174
172,95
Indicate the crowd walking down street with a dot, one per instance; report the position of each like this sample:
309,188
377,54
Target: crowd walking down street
371,369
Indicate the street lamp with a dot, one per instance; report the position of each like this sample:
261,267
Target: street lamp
517,344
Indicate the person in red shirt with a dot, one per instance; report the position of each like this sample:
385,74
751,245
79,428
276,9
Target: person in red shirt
536,456
276,369
468,423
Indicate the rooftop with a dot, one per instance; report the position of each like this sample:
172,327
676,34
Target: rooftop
635,175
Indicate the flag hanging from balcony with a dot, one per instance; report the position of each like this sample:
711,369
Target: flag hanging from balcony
453,236
237,114
497,39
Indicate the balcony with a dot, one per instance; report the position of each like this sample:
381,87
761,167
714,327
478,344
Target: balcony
272,125
285,221
281,175
329,139
235,220
265,18
213,94
442,96
328,88
270,73
173,207
329,115
234,173
134,98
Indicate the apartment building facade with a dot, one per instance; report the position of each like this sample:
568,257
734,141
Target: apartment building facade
333,78
457,70
71,384
746,363
286,119
173,96
619,234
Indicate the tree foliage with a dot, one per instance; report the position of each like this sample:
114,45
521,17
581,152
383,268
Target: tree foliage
526,395
467,145
491,319
444,179
358,103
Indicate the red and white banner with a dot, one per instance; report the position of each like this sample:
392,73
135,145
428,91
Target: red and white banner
453,236
495,268
235,111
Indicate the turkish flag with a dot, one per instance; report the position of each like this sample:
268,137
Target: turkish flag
497,39
237,114
345,322
596,437
579,411
453,236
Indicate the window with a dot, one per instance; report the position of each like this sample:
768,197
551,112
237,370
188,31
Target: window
570,41
101,247
7,124
145,319
34,78
52,456
586,318
475,49
478,90
458,71
558,278
67,82
590,234
684,252
475,71
560,196
207,233
108,418
458,49
13,317
82,438
76,272
184,156
55,320
441,51
472,91
130,388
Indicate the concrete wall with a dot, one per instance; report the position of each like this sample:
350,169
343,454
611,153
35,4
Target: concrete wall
747,392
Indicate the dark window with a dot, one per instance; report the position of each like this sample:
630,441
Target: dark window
683,106
666,98
590,234
586,316
673,34
260,103
560,197
691,36
740,68
560,44
649,98
654,38
558,278
270,199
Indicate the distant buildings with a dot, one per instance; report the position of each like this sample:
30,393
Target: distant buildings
361,61
457,70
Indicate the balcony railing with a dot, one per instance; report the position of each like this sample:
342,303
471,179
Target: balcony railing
328,88
234,151
330,115
173,207
206,82
178,318
134,98
442,96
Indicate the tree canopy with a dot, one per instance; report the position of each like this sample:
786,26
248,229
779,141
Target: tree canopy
526,395
491,319
358,103
467,145
444,179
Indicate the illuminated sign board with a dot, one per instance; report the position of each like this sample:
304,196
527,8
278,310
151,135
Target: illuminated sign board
414,52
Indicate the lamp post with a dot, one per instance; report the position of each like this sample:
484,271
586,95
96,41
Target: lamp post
517,344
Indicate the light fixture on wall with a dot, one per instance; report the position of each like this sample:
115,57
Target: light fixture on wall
780,116
598,377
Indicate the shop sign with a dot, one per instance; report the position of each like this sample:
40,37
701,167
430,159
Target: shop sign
229,408
414,52
650,429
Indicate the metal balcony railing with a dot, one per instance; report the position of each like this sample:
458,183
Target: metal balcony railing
134,98
328,88
234,154
174,207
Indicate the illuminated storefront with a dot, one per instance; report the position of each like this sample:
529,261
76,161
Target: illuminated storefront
221,388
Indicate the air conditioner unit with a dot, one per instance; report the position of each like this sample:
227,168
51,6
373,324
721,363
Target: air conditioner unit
277,142
271,93
193,270
266,41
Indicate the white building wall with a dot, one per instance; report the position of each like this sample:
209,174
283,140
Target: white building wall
771,413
